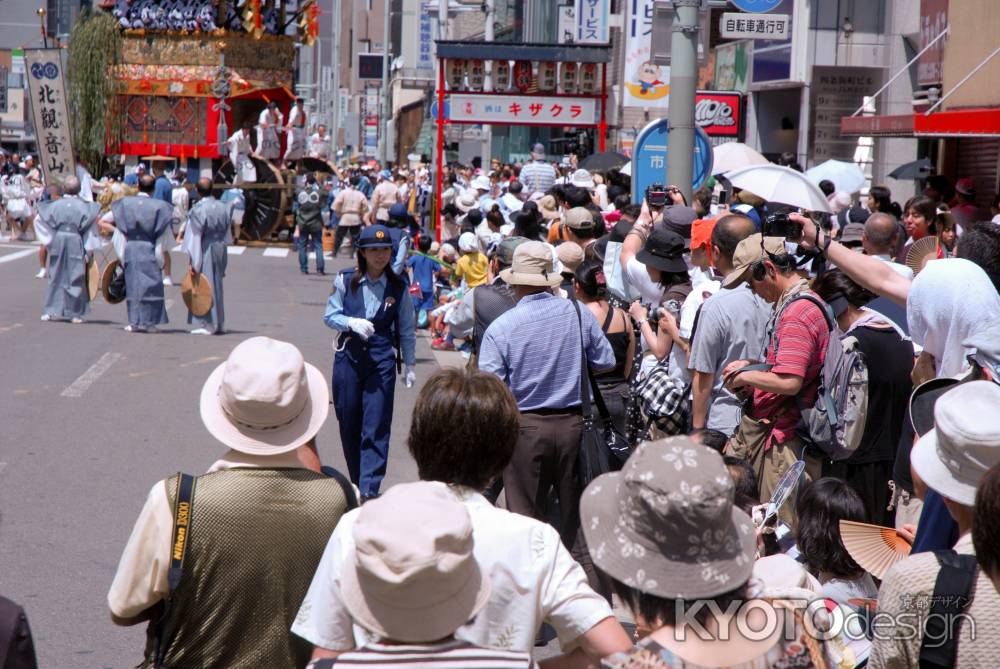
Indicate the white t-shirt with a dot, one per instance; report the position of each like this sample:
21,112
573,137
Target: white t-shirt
534,580
649,291
896,267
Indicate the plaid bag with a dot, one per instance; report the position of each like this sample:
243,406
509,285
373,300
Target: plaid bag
662,401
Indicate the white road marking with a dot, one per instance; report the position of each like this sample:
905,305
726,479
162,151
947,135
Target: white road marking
103,364
177,248
18,255
236,250
275,253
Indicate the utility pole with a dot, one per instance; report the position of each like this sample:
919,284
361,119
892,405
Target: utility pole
683,84
386,109
489,35
335,94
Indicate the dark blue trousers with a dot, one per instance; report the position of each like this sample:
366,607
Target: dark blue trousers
362,398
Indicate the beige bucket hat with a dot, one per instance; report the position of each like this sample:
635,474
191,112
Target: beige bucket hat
413,576
532,266
265,399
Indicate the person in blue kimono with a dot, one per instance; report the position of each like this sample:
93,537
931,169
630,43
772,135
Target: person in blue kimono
66,227
371,309
141,225
206,237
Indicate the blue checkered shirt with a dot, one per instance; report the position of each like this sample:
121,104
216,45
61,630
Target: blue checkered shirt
535,349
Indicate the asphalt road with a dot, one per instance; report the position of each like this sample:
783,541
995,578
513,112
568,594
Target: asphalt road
92,416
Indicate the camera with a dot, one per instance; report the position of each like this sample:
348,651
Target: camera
779,225
655,314
656,196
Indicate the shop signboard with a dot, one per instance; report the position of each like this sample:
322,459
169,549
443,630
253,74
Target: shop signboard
646,83
649,157
522,110
720,114
592,21
732,66
933,21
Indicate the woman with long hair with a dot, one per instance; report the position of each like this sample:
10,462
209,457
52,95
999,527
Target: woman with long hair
372,310
591,289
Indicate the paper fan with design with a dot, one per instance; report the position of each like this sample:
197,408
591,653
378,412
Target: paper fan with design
922,251
873,547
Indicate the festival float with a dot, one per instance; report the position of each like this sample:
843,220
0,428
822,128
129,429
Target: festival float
178,77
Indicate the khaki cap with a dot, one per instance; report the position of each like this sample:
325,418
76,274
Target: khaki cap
751,250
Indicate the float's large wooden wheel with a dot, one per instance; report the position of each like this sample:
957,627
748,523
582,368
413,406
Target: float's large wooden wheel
317,165
266,200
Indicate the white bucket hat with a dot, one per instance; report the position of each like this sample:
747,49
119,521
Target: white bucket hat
482,182
965,442
582,179
409,579
533,266
265,399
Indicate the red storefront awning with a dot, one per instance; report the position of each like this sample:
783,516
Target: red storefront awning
955,123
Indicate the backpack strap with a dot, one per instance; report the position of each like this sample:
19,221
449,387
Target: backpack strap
953,592
183,514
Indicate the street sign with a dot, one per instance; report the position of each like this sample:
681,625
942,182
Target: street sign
49,112
649,158
755,5
734,25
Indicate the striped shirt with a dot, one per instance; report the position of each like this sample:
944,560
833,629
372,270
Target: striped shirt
537,176
535,349
446,655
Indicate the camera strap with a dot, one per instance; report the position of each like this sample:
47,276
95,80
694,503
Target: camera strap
179,540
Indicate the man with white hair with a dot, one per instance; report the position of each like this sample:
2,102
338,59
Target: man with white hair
319,143
66,229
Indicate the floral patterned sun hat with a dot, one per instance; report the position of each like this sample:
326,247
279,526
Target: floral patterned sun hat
666,524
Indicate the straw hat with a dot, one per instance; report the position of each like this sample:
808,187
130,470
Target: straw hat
93,278
532,266
265,399
412,580
111,294
196,292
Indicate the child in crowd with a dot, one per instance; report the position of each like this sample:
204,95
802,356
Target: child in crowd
424,269
472,266
947,234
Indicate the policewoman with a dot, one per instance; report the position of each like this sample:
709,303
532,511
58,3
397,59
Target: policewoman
371,309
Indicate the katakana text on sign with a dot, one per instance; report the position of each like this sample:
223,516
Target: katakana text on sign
523,109
736,25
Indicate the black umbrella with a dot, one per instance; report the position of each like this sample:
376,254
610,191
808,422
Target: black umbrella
601,162
918,169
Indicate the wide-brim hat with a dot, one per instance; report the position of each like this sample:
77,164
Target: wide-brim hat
953,457
666,524
408,580
664,250
532,266
467,202
93,278
106,278
196,291
547,205
159,159
265,399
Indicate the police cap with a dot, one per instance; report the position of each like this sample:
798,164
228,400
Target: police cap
375,237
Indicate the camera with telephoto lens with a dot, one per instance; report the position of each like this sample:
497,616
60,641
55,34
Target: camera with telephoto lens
779,225
656,196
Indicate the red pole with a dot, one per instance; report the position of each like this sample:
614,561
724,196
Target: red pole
440,148
603,129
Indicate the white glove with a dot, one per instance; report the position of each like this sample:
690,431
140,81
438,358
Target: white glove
409,376
362,327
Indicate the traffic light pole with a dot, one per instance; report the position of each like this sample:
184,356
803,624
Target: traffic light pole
683,85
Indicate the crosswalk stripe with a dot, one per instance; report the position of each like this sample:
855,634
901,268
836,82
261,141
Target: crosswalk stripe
236,250
275,253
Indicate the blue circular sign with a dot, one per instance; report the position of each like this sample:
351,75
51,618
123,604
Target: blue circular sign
649,158
755,6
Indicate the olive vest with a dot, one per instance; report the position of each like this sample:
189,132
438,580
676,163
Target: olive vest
255,539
